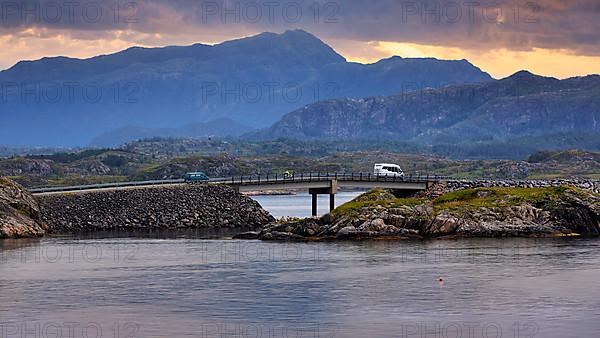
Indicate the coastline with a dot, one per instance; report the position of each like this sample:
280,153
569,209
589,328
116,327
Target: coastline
467,213
453,210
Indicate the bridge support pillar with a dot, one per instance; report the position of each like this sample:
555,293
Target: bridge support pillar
331,202
331,191
314,205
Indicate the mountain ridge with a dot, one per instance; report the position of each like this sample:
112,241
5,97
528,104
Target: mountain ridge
521,105
173,86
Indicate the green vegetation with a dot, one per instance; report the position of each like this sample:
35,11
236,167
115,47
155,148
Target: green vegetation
115,160
70,157
375,195
465,200
86,180
23,210
563,156
461,200
4,180
374,199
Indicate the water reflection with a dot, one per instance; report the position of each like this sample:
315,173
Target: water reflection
300,205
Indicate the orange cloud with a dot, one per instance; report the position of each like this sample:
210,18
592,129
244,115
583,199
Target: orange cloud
500,62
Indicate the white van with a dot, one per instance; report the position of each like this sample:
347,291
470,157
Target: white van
386,169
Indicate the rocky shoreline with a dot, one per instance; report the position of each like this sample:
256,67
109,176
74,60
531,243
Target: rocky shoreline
585,184
479,212
451,210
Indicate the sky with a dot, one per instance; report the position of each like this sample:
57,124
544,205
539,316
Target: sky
557,38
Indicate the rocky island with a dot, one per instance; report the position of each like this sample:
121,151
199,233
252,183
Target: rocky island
477,212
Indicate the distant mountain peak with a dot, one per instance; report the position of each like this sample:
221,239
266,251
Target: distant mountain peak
299,32
525,75
298,44
391,59
294,35
45,59
309,42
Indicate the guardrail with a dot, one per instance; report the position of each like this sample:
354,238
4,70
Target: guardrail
105,186
319,177
255,180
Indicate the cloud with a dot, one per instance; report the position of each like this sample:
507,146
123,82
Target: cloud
465,24
499,62
472,26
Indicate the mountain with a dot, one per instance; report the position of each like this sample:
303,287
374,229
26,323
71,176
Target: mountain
522,105
254,81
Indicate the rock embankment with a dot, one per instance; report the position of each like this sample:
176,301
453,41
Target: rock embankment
160,208
585,184
19,212
480,212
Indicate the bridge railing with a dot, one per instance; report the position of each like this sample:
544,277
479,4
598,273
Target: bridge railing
106,186
320,177
274,179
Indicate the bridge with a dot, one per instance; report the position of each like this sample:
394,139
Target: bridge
316,183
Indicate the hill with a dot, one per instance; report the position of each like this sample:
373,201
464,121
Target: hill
217,128
157,159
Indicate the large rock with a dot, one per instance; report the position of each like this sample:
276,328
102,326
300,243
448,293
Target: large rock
19,212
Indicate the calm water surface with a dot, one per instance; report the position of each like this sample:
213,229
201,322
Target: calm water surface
188,286
300,205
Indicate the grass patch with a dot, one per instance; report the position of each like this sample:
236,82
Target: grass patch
498,197
4,181
374,195
23,210
373,199
84,180
462,200
151,168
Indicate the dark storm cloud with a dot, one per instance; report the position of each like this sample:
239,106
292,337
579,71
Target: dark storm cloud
515,25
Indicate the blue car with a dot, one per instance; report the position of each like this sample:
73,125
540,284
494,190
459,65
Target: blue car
197,177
